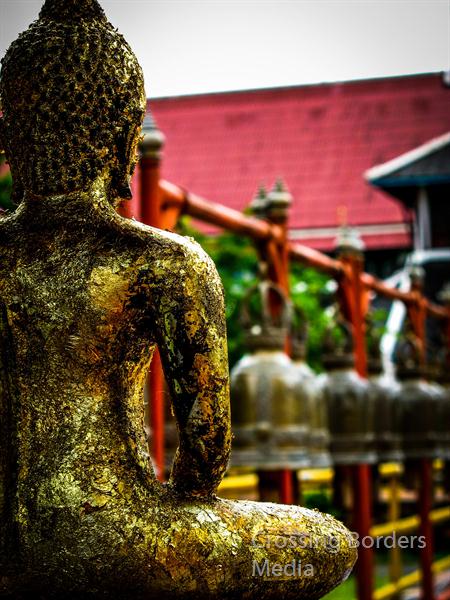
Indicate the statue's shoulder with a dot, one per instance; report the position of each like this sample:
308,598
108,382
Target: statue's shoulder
168,252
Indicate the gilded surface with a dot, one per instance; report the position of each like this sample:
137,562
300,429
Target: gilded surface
85,296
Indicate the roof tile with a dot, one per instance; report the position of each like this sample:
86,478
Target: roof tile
319,138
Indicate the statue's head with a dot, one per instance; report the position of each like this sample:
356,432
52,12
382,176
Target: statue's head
73,100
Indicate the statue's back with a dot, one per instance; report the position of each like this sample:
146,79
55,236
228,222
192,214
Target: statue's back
73,349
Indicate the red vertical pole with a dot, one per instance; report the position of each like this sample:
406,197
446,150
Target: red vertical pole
279,201
362,472
354,304
359,314
426,529
286,487
275,208
149,171
417,313
417,316
287,491
363,520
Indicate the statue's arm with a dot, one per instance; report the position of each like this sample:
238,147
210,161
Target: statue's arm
191,336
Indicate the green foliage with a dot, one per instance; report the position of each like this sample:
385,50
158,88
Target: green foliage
376,328
319,499
236,260
312,292
5,189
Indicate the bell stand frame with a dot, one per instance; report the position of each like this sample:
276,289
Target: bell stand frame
160,203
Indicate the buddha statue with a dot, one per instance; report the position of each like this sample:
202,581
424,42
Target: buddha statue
85,297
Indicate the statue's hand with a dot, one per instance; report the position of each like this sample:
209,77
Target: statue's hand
201,459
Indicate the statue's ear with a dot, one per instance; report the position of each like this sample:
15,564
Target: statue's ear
121,175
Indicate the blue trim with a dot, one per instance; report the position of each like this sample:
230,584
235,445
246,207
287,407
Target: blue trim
411,181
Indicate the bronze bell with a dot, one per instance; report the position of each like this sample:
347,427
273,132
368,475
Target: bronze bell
309,393
350,407
270,425
416,403
382,390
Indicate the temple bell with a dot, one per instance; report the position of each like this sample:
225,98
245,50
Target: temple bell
309,392
350,406
416,402
271,420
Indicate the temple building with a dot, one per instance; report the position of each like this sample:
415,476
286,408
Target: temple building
321,139
420,179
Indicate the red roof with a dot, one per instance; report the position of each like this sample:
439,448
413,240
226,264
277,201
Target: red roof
319,138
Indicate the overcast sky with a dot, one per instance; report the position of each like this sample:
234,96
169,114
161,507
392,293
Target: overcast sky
187,46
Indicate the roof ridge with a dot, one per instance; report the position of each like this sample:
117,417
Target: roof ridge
299,86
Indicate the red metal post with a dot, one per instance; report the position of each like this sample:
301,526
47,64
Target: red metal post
274,251
417,312
287,492
363,521
278,204
354,305
150,191
426,528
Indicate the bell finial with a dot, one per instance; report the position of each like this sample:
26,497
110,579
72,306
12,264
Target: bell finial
259,203
374,335
278,202
408,357
299,334
337,344
153,141
71,10
264,330
348,241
